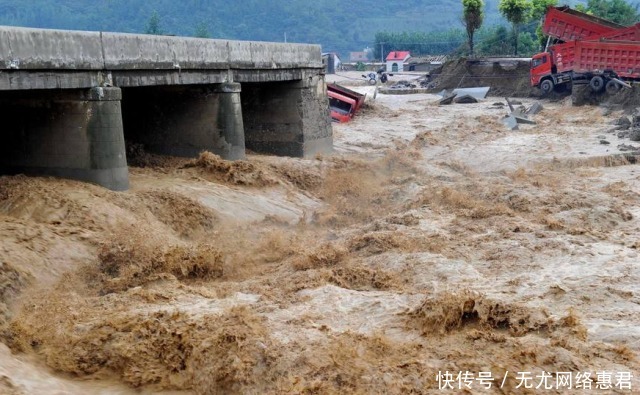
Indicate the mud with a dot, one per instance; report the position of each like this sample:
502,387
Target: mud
505,77
433,240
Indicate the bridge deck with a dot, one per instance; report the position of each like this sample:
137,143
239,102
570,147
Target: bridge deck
53,59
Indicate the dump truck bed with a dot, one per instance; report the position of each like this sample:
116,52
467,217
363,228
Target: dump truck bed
565,24
622,57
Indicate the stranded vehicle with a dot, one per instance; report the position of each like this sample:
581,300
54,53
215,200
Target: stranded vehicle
343,102
597,52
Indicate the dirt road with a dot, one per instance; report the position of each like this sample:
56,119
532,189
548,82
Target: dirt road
433,241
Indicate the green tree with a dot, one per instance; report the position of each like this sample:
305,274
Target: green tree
153,25
537,13
202,30
496,42
582,8
539,8
618,11
472,17
527,45
516,12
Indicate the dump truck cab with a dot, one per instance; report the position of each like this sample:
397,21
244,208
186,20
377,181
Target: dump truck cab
343,102
342,107
540,67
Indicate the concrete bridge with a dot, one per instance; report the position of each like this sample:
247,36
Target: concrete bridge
69,100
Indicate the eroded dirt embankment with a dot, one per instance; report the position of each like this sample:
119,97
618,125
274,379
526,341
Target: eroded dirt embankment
433,240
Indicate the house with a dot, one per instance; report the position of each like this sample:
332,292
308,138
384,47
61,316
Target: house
396,61
358,56
331,62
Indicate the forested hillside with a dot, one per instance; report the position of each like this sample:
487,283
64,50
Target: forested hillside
338,25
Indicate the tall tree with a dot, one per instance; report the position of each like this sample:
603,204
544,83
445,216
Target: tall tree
539,8
516,12
472,17
618,11
537,13
153,25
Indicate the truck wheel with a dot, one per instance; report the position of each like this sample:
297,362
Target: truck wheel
596,83
612,87
546,86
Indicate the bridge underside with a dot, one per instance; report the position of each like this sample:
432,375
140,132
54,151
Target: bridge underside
70,101
81,133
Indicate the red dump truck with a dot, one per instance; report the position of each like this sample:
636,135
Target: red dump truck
343,102
597,52
599,63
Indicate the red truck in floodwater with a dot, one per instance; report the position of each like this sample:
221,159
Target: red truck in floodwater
343,102
597,52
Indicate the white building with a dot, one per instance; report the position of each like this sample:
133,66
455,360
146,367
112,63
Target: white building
396,61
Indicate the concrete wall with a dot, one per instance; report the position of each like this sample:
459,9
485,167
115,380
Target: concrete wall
185,120
72,134
287,118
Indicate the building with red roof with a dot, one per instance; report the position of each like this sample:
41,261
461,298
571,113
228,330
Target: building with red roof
396,61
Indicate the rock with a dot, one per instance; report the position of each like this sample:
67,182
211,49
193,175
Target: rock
606,111
634,135
623,123
602,137
623,135
466,99
447,98
522,118
626,147
498,104
510,122
535,108
605,142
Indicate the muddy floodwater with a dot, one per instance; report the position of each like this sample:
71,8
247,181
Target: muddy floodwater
434,252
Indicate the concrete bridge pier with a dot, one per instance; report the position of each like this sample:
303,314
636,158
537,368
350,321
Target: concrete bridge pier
186,120
230,122
288,118
74,133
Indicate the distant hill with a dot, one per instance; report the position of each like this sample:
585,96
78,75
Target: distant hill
340,26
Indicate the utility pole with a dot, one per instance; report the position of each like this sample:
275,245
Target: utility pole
382,52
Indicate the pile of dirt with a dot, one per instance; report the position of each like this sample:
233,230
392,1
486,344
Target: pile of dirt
505,77
581,94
